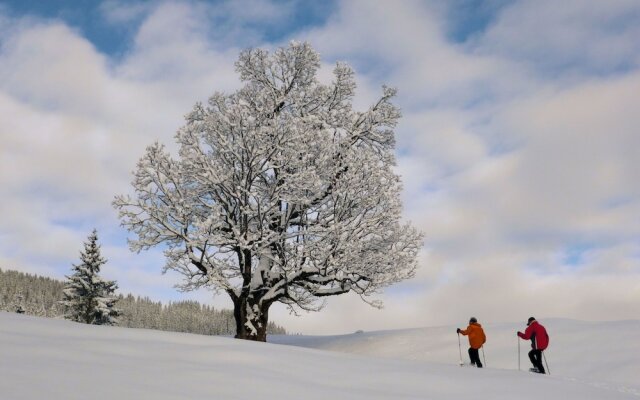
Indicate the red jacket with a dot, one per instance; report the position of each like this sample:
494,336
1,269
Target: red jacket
538,335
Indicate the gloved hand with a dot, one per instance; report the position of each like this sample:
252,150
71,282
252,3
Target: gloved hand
458,330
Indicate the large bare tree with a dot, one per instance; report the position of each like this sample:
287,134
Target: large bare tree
281,192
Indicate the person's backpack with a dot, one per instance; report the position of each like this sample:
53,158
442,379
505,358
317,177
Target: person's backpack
542,341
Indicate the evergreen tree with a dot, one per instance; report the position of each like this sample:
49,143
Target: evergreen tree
88,297
40,296
18,305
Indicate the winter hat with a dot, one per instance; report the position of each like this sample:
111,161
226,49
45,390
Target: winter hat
473,319
530,320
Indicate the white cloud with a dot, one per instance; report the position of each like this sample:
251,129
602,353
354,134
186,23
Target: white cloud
580,153
568,38
502,185
50,66
121,13
73,125
405,45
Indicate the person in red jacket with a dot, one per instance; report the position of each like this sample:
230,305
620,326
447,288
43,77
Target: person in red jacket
476,339
539,342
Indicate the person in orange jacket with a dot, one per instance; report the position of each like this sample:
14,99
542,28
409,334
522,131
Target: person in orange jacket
476,339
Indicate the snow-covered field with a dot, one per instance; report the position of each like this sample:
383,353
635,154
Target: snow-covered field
600,353
61,360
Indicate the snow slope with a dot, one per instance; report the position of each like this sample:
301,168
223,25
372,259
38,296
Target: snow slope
61,360
605,354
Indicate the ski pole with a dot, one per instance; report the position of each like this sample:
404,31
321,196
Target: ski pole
460,350
483,359
518,339
545,363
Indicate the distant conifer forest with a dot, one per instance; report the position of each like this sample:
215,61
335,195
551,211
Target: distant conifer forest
40,296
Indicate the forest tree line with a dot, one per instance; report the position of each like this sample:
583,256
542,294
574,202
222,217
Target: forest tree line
41,296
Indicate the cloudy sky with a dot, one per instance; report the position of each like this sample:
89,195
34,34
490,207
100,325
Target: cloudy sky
519,145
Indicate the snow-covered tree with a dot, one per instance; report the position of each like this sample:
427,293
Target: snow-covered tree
87,297
281,192
41,296
32,294
18,305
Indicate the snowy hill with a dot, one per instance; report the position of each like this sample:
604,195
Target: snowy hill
61,360
602,353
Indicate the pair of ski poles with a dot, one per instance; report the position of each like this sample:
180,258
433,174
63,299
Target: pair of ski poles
460,350
543,356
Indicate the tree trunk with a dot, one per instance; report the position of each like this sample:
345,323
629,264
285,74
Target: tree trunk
251,320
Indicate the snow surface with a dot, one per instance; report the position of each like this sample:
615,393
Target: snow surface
604,354
61,360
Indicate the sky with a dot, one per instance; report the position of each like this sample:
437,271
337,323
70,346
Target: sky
519,145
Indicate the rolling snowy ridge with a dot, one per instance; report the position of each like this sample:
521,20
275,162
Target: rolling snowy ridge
60,360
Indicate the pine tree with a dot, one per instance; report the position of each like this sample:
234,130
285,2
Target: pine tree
87,297
18,304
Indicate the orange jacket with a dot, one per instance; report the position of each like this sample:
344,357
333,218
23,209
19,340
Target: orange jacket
476,335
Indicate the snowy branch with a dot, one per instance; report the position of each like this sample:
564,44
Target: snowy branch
280,192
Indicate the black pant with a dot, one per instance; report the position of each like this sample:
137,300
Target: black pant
475,357
536,359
